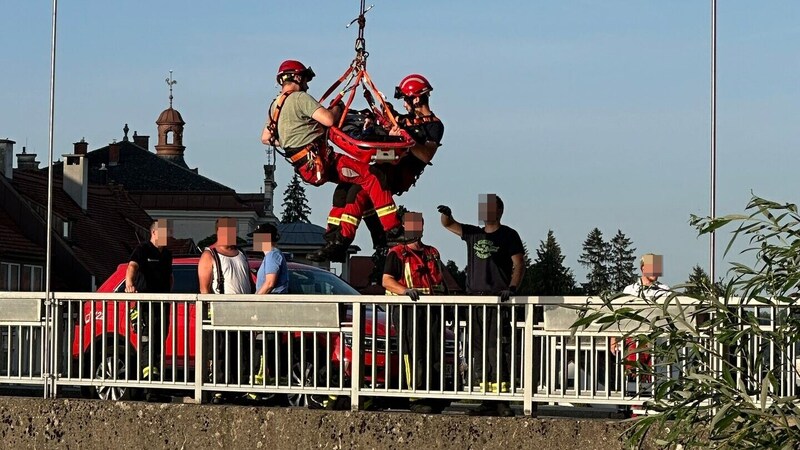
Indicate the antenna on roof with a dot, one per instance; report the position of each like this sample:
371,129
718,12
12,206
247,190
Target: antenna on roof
170,83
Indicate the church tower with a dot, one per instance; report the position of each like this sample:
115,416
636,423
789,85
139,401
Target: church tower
170,131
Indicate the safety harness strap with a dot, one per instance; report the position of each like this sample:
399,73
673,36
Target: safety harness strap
273,118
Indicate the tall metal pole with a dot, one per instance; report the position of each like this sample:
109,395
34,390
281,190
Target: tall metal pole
713,244
49,258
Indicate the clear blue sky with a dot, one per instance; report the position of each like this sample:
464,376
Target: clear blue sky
580,114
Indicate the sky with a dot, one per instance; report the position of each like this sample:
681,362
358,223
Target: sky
578,113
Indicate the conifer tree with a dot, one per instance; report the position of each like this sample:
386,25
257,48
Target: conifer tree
548,274
459,275
295,203
595,258
622,270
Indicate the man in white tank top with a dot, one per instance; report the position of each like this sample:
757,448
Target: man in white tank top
233,266
224,269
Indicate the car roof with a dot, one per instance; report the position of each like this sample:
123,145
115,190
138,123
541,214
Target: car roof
254,263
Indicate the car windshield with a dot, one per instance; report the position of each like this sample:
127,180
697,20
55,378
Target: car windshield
310,281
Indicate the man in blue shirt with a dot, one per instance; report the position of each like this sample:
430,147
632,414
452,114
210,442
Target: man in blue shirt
273,275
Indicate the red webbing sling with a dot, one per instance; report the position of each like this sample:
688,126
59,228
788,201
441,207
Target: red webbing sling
372,149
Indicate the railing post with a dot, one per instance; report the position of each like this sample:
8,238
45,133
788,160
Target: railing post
199,364
356,356
528,366
49,354
54,353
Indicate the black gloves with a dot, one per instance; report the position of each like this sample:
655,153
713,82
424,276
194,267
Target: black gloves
412,293
508,293
445,210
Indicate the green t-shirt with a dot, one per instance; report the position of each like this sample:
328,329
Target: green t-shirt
296,128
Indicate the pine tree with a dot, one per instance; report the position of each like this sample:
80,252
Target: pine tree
459,275
595,257
622,270
295,203
699,283
548,274
526,286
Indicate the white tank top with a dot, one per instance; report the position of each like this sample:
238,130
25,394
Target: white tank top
235,272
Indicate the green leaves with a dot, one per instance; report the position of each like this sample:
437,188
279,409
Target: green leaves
728,347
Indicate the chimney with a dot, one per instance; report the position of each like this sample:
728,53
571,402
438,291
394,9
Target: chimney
81,147
27,161
76,178
7,158
269,190
141,141
113,154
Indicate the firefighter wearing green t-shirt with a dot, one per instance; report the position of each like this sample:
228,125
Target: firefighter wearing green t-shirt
298,124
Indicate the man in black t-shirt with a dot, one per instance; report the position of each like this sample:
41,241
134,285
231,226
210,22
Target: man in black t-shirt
150,271
495,266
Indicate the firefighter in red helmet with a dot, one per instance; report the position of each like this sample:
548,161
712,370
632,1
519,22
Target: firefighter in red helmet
298,124
351,203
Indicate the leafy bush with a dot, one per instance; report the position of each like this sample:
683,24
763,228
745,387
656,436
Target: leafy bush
723,371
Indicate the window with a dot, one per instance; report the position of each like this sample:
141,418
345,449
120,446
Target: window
13,279
4,276
20,277
37,279
25,283
170,137
186,281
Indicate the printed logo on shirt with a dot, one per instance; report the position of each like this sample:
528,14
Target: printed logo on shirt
485,248
152,260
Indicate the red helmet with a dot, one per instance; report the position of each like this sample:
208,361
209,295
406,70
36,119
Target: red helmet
291,66
413,85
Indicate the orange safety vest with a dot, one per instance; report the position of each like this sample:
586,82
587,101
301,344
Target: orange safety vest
420,272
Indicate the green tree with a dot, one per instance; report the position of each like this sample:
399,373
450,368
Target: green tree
595,257
459,275
548,274
295,203
526,286
699,282
622,270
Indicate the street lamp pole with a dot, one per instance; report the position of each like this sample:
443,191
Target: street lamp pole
713,213
49,317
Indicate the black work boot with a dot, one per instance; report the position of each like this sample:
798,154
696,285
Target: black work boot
334,250
396,235
378,263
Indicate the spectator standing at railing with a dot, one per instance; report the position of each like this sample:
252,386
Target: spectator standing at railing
224,269
495,266
150,271
273,274
648,287
415,269
272,278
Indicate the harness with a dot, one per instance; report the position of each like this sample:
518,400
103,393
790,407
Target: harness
422,272
313,155
416,121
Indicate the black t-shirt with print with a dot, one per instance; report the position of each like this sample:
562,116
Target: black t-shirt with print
489,264
155,268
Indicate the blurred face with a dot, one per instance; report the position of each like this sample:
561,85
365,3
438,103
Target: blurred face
226,232
262,242
162,232
487,208
412,224
652,267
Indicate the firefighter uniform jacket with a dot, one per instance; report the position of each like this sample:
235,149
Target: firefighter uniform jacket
417,269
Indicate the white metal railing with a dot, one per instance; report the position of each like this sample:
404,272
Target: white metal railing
321,349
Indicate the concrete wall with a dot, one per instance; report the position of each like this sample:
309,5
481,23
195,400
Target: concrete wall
86,424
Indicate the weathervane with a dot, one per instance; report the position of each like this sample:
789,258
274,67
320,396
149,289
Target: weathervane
170,83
